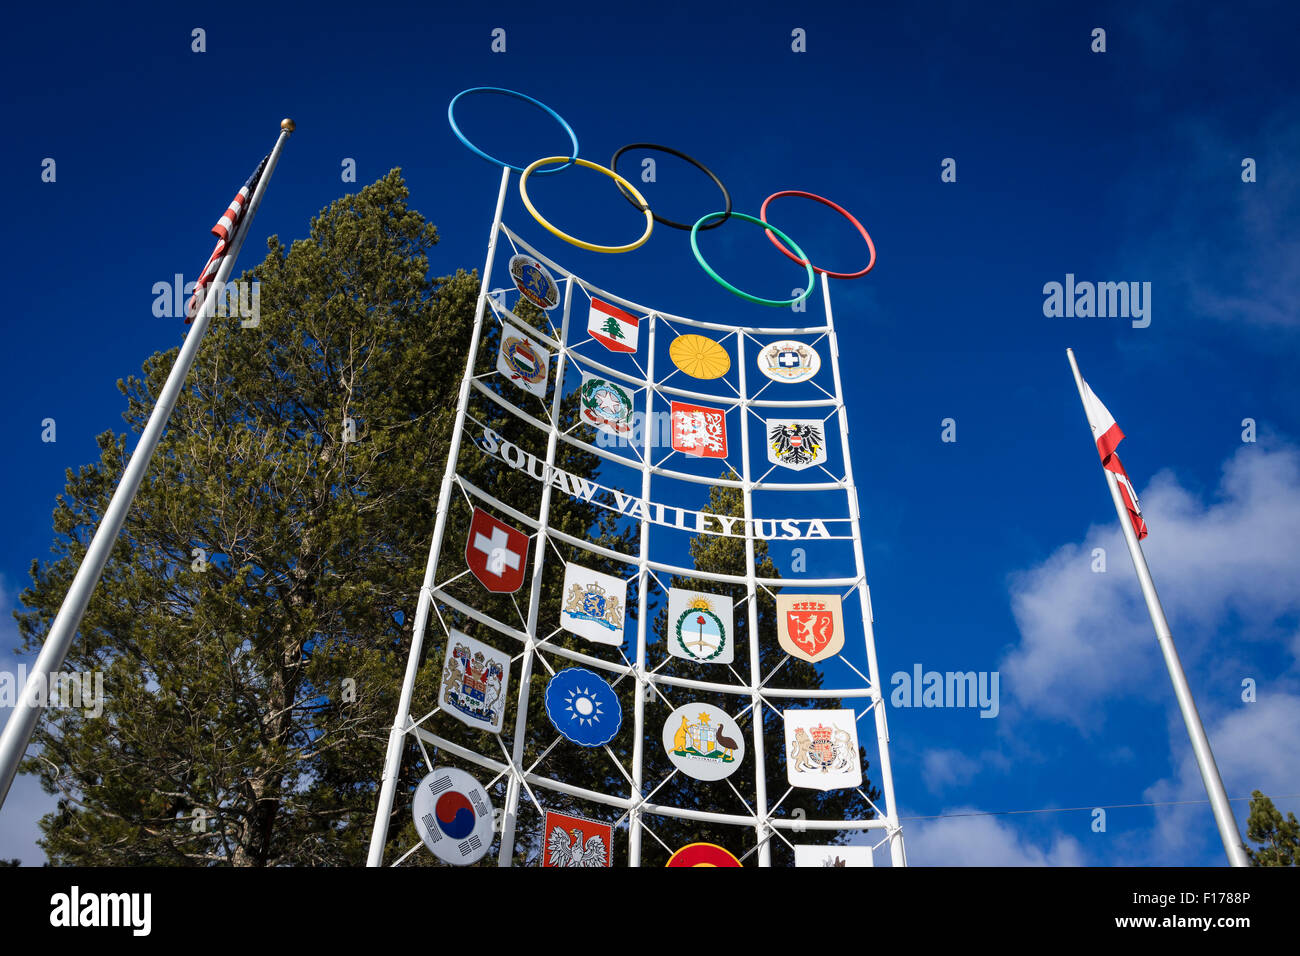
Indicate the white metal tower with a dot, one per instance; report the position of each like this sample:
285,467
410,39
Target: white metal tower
832,501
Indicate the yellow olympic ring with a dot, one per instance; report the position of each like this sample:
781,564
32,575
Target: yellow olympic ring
590,246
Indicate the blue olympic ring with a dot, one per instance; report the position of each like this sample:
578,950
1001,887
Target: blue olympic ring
573,137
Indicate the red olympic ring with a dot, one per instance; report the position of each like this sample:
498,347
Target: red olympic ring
762,215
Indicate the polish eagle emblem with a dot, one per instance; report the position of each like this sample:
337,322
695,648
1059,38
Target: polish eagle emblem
567,849
796,444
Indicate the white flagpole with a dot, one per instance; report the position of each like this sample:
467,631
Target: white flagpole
1227,823
26,712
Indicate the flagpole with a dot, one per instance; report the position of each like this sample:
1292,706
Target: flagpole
1223,816
26,712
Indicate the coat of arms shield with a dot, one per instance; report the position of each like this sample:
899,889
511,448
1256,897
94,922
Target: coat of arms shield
592,604
821,749
700,627
810,626
576,841
474,680
703,741
796,443
523,360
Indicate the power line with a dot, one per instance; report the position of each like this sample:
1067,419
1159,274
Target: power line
1114,806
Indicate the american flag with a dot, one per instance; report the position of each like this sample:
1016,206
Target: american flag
224,230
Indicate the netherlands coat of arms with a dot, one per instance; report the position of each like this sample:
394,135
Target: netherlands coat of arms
593,604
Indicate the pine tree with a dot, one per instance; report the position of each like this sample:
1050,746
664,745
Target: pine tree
1279,838
254,619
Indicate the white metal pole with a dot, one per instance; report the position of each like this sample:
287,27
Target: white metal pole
1223,816
651,433
896,852
393,760
761,826
26,712
508,820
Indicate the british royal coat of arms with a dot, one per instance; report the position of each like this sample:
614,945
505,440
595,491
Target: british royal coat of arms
822,749
474,679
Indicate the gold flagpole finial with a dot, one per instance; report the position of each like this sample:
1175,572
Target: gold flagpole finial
287,125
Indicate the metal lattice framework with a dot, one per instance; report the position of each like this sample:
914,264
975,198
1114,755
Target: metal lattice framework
532,640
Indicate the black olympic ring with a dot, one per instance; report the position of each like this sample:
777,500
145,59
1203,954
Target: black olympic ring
686,227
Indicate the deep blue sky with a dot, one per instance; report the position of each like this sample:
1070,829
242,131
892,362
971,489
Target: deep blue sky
1118,166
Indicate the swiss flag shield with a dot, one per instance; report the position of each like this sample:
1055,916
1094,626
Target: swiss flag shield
496,553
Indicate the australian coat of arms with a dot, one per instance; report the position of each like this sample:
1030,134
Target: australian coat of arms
703,741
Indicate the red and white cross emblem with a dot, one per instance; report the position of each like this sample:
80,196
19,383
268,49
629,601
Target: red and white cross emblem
495,553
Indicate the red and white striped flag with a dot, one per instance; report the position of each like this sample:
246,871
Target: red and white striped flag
224,230
612,327
1107,434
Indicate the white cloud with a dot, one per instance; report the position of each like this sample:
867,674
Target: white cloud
1086,637
1256,747
941,768
944,768
982,841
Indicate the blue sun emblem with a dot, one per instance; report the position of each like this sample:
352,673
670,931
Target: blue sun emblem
583,707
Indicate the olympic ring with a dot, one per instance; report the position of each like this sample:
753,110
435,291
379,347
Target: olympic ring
745,295
762,214
633,196
451,118
613,164
591,247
